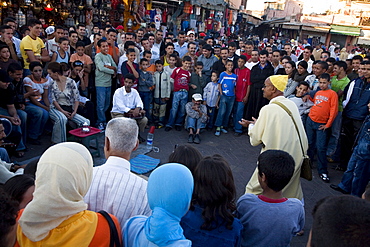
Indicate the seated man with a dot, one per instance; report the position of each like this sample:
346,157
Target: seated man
114,188
127,103
196,118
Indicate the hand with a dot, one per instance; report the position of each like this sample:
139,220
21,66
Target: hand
15,120
72,115
323,127
217,106
81,73
34,92
193,86
305,98
136,112
245,100
67,114
22,106
16,167
81,104
246,123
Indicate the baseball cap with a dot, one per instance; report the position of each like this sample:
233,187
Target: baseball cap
50,30
202,35
197,97
4,77
119,27
191,32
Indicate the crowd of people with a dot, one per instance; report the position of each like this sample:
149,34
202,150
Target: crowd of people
289,96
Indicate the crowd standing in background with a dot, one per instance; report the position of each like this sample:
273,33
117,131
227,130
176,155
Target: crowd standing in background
294,98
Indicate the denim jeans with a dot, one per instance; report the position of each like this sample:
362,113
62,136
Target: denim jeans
102,103
20,128
238,115
194,123
4,155
226,106
335,134
37,118
177,114
211,112
147,98
317,141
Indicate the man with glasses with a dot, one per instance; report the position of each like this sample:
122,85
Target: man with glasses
307,52
324,56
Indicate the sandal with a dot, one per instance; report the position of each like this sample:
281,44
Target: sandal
301,233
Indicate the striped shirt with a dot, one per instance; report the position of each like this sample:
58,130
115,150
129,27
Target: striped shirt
118,191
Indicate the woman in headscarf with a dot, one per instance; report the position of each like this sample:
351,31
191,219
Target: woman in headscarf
57,215
169,191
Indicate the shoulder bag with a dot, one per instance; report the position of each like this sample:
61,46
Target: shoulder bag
114,237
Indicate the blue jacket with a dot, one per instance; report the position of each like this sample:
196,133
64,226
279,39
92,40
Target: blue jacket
360,97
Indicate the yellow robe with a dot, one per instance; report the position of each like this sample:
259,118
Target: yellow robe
275,129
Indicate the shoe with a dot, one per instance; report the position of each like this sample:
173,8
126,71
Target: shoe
178,127
197,139
101,127
191,138
324,177
34,141
224,130
337,188
141,140
168,128
218,133
330,160
237,134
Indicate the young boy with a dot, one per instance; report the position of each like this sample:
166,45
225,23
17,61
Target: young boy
145,86
270,219
211,96
85,59
320,118
181,77
297,98
197,82
148,56
61,55
105,68
172,64
162,93
226,86
242,89
196,118
129,66
5,59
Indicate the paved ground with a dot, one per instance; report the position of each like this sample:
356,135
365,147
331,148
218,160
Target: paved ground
239,153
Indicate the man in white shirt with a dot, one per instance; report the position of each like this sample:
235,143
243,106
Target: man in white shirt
114,188
52,44
127,103
181,46
253,61
307,57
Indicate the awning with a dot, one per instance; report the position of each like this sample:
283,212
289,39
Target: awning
205,2
365,37
345,30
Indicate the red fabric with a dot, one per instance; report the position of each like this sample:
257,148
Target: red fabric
269,200
248,56
181,79
209,22
242,83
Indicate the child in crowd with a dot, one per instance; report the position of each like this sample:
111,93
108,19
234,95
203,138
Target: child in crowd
297,98
148,56
197,82
226,86
85,59
130,67
270,219
320,118
145,86
181,77
61,55
211,96
171,67
105,68
313,80
5,59
162,93
242,89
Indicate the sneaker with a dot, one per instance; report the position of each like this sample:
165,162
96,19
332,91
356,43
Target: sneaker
217,133
168,128
101,127
324,177
197,139
224,130
191,138
337,188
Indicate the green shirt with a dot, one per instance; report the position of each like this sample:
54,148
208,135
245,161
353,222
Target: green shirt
103,75
337,85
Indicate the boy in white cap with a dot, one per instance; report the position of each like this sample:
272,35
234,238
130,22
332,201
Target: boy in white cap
196,118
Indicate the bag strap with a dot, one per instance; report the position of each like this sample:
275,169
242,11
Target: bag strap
295,124
114,239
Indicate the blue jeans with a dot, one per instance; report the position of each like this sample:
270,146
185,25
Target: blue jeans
37,118
147,98
4,155
102,103
335,134
238,115
317,141
211,112
177,113
20,128
226,106
194,123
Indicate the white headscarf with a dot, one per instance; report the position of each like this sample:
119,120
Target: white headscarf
63,177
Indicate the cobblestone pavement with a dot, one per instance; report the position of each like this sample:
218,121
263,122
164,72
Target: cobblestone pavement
240,154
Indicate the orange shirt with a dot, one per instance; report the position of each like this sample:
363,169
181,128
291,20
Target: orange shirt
85,59
325,107
151,68
110,51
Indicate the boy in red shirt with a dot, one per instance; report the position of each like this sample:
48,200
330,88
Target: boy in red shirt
320,118
241,93
181,77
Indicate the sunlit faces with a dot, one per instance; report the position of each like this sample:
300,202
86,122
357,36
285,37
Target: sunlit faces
229,66
81,31
192,49
186,65
254,56
249,49
131,56
35,30
64,45
365,70
181,38
214,77
307,54
2,129
288,69
7,33
356,64
301,90
263,59
324,84
146,44
144,65
148,56
112,36
104,48
288,49
170,49
128,84
268,89
231,51
73,38
37,72
301,70
284,61
171,61
159,67
130,37
318,70
16,75
224,54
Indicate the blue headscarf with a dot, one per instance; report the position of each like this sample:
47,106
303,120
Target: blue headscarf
170,189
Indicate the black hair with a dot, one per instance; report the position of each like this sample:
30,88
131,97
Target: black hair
147,52
303,64
325,76
214,71
130,50
4,46
249,42
330,60
186,155
80,25
287,58
130,76
323,64
65,67
18,185
181,33
33,22
304,83
9,19
158,62
309,48
228,61
55,67
61,39
13,67
358,57
133,34
174,56
199,63
278,168
143,60
365,62
8,216
79,44
58,27
112,31
128,44
214,191
144,39
224,49
4,27
341,64
277,52
96,34
341,221
71,32
243,57
263,52
170,34
34,64
191,43
207,47
232,44
186,59
169,44
101,41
